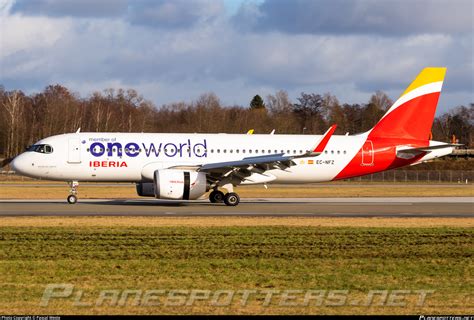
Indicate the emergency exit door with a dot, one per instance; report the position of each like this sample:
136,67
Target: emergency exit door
74,154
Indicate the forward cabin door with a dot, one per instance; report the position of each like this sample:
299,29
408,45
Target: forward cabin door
368,154
74,151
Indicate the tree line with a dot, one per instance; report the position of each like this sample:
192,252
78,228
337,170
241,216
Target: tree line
24,119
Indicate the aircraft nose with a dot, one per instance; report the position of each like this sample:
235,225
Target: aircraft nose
15,164
19,164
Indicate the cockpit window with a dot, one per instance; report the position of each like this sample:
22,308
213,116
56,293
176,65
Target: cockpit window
41,148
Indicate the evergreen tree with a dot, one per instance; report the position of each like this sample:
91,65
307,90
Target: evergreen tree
257,103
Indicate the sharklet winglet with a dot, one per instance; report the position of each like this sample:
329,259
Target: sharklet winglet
325,139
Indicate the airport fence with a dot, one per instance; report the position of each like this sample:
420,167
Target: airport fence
425,176
431,176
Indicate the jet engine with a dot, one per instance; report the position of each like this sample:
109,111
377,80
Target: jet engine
174,185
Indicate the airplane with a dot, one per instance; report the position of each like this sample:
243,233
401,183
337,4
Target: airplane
187,166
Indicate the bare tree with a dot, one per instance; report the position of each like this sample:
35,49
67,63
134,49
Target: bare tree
279,103
12,106
381,101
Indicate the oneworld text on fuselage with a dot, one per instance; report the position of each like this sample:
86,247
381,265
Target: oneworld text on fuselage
188,148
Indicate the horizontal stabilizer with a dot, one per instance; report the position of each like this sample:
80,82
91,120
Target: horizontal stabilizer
408,152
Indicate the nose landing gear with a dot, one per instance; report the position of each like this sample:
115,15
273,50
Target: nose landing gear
72,197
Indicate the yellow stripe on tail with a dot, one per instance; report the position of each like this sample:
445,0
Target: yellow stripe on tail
426,76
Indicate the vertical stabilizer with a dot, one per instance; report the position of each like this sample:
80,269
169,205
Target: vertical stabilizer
411,116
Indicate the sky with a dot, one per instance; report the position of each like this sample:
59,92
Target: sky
176,50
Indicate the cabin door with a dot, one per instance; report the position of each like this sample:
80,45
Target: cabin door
74,151
368,154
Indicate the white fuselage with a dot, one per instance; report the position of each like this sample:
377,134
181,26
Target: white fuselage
134,157
113,156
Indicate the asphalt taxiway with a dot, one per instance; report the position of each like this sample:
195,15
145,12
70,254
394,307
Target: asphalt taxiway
270,207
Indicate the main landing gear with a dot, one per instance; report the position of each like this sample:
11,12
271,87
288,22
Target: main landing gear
72,197
230,199
216,196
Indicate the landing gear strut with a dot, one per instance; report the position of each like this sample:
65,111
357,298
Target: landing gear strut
72,197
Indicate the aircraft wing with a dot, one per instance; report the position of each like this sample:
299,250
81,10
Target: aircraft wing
268,162
250,169
253,169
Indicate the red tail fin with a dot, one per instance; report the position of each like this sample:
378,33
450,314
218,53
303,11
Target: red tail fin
411,116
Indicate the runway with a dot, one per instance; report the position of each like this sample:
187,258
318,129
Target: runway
265,207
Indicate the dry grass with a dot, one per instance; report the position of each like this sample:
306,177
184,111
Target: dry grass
91,191
122,221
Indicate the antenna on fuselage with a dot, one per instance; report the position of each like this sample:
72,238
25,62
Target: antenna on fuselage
78,130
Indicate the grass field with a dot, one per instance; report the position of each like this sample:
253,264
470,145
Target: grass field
236,254
127,191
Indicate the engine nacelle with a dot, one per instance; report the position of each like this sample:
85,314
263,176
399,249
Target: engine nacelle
179,184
